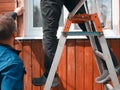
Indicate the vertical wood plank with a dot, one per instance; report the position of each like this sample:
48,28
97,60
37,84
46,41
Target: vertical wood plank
42,69
96,74
70,64
115,47
27,61
80,74
36,58
88,67
62,71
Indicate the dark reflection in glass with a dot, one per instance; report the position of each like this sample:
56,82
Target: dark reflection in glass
106,12
37,15
105,9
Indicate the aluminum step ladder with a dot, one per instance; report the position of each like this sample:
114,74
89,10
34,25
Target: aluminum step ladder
90,20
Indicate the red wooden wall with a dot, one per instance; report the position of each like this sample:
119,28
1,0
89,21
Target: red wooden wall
77,69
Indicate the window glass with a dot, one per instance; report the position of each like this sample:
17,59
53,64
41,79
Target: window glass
104,8
36,14
106,12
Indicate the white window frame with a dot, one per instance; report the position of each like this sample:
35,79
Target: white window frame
36,33
115,33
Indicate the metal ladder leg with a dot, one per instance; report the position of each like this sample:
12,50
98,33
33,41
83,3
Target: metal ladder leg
55,62
57,56
109,63
106,56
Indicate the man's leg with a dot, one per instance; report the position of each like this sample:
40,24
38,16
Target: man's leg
51,12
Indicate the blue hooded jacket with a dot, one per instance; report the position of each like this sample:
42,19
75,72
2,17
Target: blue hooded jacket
11,69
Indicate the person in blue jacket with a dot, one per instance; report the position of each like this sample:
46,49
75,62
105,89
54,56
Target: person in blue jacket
11,66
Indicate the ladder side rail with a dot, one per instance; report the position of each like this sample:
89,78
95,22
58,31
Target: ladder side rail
98,60
78,6
104,47
94,46
92,39
57,57
109,62
107,86
55,62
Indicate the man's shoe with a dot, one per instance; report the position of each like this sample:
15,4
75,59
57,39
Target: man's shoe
39,81
104,78
42,80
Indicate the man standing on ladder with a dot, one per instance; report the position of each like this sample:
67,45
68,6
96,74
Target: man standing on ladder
51,12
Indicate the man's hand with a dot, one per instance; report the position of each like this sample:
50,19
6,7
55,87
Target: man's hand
19,10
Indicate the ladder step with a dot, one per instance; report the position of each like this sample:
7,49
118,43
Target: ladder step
72,33
98,53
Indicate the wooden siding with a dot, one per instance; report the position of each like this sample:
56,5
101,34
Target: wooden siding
77,69
6,5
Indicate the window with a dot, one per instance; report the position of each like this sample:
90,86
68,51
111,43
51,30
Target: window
33,24
109,13
109,10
